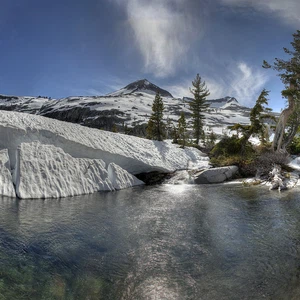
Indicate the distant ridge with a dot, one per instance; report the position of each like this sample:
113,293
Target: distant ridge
220,103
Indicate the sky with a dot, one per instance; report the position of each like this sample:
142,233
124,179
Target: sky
59,48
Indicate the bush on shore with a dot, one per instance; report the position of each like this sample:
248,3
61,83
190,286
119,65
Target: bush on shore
251,160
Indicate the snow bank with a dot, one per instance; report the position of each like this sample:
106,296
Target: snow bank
52,159
295,163
120,178
45,171
135,155
6,183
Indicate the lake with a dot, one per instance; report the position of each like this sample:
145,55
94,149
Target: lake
162,242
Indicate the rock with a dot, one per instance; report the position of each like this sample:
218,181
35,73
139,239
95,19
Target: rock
215,175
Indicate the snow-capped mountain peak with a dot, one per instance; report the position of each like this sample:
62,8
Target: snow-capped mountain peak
141,86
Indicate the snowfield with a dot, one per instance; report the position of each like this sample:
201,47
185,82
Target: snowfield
50,158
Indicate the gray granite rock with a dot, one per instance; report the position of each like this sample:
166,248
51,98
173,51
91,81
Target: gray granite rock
215,175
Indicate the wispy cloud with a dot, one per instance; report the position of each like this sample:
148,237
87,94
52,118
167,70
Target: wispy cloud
247,83
240,81
97,86
163,32
287,10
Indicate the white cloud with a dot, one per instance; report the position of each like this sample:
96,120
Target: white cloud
240,81
288,10
216,89
247,83
163,31
179,91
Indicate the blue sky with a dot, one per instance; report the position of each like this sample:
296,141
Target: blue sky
60,48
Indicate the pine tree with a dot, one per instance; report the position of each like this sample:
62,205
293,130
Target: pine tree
211,140
182,133
289,72
198,105
168,128
258,113
114,128
155,128
175,135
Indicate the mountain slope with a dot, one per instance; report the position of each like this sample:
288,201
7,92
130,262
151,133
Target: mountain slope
127,110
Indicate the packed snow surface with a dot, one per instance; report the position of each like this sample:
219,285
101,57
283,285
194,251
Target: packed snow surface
135,155
6,183
45,171
120,178
51,158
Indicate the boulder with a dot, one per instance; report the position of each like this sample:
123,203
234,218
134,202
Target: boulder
215,175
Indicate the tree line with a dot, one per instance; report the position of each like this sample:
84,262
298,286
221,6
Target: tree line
156,128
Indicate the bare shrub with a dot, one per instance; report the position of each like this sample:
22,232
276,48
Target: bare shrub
265,162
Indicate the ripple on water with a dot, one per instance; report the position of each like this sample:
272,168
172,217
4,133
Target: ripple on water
163,242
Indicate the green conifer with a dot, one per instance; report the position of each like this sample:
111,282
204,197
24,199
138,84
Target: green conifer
198,106
155,128
182,132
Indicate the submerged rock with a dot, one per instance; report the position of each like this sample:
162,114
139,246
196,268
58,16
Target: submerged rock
215,175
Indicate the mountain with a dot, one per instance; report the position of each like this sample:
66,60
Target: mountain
142,85
127,110
226,102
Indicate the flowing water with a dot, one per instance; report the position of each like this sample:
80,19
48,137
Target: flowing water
163,242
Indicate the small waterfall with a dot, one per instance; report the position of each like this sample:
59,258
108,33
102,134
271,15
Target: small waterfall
181,177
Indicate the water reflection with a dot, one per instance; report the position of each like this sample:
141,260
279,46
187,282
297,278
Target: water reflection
164,242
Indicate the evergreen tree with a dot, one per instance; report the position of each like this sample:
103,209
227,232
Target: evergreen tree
114,128
182,133
169,128
211,140
175,135
258,114
198,105
289,72
292,126
155,128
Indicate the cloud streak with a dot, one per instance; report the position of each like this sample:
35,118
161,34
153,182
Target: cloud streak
287,10
247,83
163,32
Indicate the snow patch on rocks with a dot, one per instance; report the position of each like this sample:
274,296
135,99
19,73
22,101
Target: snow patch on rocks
6,183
